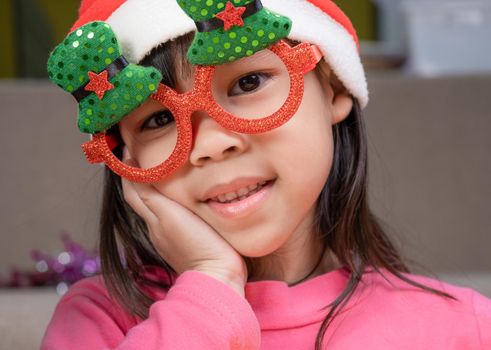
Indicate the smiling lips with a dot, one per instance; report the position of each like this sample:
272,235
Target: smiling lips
239,188
245,205
239,194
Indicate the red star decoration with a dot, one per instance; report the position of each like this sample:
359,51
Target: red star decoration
99,83
231,16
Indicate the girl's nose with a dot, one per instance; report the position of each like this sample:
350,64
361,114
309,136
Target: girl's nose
213,142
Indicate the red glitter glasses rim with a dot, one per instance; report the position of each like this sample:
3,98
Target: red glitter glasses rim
299,60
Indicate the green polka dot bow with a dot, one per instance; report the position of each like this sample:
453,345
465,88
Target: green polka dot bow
88,64
228,30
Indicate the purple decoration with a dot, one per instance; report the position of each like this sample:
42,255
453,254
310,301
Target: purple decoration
72,264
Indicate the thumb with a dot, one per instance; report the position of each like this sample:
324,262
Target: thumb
142,193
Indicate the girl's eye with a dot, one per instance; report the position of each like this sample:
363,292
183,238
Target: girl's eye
249,83
158,120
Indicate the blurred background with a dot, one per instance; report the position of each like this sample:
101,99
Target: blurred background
429,121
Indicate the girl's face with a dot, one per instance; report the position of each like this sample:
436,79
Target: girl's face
296,157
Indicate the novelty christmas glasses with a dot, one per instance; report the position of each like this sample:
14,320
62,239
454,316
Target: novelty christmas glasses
251,95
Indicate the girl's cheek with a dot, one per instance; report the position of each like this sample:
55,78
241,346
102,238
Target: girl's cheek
176,189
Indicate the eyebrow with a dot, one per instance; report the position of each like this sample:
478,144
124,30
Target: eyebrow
259,56
184,69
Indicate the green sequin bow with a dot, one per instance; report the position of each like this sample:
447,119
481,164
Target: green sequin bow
228,30
88,64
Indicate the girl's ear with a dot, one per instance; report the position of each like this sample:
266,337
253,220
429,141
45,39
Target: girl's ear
342,104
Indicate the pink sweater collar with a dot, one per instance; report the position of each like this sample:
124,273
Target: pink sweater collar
278,306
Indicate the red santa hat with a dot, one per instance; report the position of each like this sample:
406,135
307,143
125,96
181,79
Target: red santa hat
141,25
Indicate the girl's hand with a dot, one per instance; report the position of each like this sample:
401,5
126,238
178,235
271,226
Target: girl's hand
183,239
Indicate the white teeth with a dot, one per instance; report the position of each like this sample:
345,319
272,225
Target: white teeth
243,191
240,193
250,188
231,195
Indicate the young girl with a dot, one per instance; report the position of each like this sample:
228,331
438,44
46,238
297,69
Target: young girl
235,212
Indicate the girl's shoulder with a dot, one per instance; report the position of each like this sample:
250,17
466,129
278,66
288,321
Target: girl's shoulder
91,296
469,310
390,283
92,293
386,284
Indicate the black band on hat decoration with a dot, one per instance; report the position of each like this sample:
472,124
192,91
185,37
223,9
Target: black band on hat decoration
232,29
90,66
216,22
106,74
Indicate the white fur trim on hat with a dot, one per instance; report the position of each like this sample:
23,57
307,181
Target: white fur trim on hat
311,24
141,25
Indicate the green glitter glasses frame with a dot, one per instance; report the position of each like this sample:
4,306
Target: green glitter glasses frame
295,61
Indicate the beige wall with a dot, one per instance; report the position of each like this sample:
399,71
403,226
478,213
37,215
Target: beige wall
46,187
429,170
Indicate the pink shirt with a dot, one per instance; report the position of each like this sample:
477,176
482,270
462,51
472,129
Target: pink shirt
200,312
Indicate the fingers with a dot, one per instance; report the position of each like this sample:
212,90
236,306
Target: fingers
144,198
132,197
147,195
151,205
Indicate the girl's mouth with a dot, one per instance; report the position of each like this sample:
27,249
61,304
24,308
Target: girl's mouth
240,194
243,205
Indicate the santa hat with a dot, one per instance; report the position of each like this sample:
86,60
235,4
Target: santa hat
141,25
